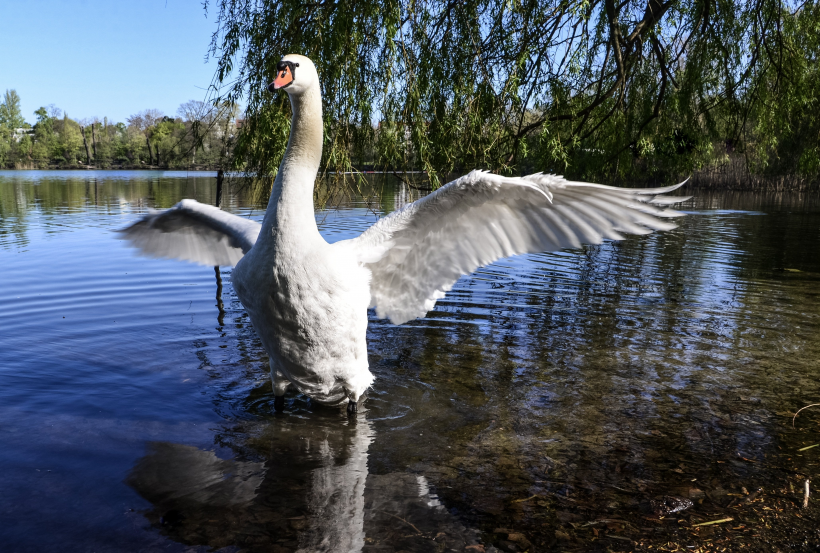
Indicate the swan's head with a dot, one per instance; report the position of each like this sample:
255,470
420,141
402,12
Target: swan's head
294,74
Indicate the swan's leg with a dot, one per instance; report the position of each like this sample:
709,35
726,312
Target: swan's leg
355,391
280,386
353,403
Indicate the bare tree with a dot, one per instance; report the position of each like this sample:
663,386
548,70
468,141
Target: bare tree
94,138
200,115
83,124
144,121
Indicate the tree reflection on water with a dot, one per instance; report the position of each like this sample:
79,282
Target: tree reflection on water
544,404
312,493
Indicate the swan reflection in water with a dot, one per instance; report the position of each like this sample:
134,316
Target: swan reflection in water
304,487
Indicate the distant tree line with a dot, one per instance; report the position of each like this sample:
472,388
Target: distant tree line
605,90
200,136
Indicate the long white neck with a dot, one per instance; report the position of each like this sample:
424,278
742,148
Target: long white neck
289,216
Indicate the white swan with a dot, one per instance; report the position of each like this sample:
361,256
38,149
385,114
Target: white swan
308,299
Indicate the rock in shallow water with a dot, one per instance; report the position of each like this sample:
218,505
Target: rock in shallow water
669,504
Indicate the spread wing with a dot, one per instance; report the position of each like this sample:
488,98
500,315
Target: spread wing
194,232
417,253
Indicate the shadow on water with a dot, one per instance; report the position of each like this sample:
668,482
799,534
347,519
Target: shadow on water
312,492
612,399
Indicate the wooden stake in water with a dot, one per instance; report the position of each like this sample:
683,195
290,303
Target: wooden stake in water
220,176
219,305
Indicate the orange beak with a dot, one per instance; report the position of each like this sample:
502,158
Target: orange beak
283,79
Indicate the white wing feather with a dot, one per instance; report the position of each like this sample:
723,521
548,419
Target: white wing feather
194,232
417,253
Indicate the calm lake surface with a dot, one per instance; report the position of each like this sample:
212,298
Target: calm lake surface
543,405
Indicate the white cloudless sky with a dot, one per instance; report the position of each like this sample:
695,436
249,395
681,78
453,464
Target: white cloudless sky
105,57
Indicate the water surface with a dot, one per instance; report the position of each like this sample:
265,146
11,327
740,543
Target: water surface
543,404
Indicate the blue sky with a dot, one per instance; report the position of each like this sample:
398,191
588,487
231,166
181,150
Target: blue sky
105,57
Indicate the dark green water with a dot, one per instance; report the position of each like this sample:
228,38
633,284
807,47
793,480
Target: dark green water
542,406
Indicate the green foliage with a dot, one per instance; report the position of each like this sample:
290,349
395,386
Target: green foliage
69,140
595,89
10,115
643,89
10,119
200,138
782,128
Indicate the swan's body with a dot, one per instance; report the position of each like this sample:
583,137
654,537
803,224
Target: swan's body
308,299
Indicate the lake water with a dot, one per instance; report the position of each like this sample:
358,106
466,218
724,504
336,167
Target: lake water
543,405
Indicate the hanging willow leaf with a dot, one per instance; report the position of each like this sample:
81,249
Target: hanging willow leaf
596,89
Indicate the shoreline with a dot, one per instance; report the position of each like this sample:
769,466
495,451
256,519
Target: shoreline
712,179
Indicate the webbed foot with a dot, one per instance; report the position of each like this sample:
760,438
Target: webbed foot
278,403
352,408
